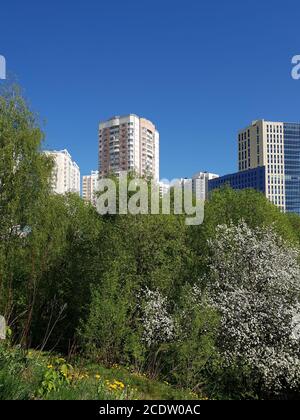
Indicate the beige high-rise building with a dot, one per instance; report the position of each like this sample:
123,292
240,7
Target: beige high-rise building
129,143
269,161
89,187
262,144
66,173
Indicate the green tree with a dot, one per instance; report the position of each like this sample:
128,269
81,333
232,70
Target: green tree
231,206
24,188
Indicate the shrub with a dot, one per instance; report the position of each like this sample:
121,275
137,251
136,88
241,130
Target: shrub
254,284
20,375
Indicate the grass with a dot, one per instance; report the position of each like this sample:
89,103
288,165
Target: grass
35,375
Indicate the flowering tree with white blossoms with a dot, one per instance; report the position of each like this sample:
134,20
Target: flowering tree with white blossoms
158,324
254,284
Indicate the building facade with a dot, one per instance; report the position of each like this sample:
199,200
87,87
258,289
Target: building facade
89,187
263,144
129,143
66,173
200,184
164,187
274,147
251,178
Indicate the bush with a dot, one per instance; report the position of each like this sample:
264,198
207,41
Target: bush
254,284
195,347
20,375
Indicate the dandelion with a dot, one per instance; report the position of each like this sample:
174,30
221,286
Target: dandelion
120,384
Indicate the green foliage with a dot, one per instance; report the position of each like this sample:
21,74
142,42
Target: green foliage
231,206
72,280
77,265
227,206
138,252
20,375
196,348
34,375
24,187
236,382
57,376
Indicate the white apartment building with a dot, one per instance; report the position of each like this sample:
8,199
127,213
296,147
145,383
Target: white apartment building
164,187
200,184
129,143
89,187
66,173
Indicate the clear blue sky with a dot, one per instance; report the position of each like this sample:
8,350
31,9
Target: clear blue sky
200,70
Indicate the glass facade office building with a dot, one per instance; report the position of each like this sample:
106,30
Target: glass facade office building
269,161
252,178
292,166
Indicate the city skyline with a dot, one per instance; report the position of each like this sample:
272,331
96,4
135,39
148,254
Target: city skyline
193,80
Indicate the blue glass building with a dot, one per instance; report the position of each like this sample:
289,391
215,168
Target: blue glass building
252,178
269,161
292,166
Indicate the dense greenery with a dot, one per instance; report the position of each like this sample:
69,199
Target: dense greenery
131,290
28,375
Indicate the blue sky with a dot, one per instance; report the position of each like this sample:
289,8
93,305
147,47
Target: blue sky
200,70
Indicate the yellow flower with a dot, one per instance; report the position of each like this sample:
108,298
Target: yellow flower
50,366
97,376
120,384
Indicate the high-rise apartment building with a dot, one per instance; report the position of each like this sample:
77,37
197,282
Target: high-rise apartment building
65,174
200,184
129,143
164,187
269,160
89,187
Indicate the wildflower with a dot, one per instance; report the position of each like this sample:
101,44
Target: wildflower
50,366
97,376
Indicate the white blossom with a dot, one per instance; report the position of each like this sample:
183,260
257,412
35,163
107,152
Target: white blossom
255,286
158,325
